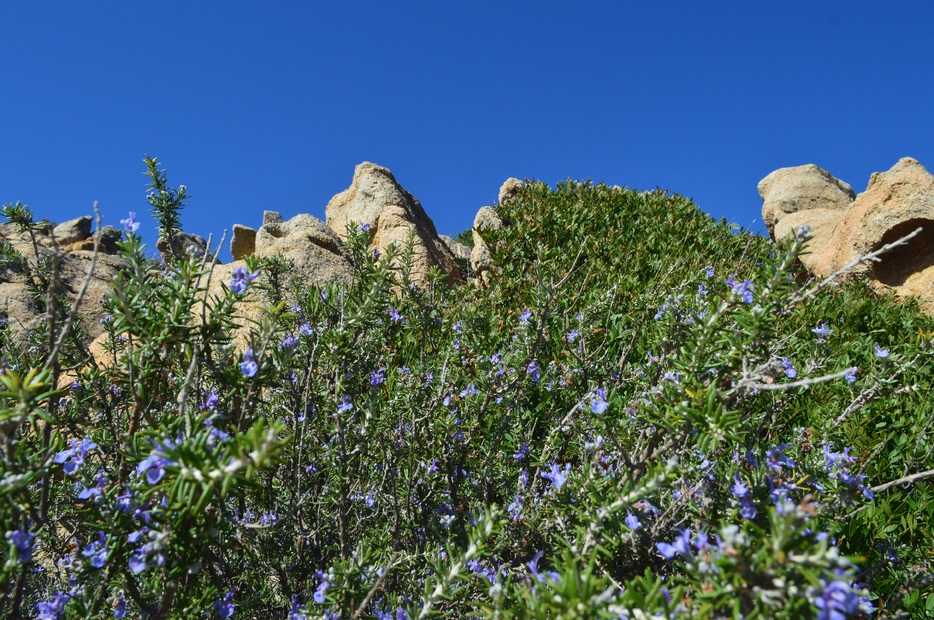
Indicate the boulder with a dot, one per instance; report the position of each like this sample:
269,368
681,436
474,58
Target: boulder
272,217
895,203
481,260
182,243
509,189
317,254
801,188
74,230
376,198
460,250
242,242
109,237
16,300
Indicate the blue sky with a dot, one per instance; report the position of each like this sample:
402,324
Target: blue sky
271,105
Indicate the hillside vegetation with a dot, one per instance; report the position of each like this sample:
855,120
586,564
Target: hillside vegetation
646,414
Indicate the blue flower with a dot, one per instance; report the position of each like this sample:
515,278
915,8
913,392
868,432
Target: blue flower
248,366
321,589
598,405
225,606
525,316
822,331
533,568
289,343
296,612
74,456
306,329
377,378
850,376
23,542
120,607
681,545
880,352
345,405
130,224
743,290
790,371
632,521
97,551
53,609
240,278
572,335
532,371
394,315
708,271
154,466
556,475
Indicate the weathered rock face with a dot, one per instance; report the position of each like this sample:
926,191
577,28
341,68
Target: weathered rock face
242,242
376,198
16,300
315,251
459,250
77,229
481,260
509,189
801,188
895,203
182,243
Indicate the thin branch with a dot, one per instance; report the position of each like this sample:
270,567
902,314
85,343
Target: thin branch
872,256
904,480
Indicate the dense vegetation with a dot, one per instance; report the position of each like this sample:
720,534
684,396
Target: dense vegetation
646,414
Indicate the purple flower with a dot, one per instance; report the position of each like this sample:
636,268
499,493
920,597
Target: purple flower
572,335
130,224
743,290
681,545
296,613
225,606
74,456
240,278
836,600
289,343
822,331
377,378
880,352
365,227
533,567
53,609
154,466
533,371
137,562
522,452
708,271
248,366
211,402
777,459
515,508
95,491
525,316
120,607
598,405
790,371
556,475
851,375
394,315
321,589
306,330
345,405
632,521
23,542
97,551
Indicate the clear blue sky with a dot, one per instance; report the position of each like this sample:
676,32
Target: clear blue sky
271,105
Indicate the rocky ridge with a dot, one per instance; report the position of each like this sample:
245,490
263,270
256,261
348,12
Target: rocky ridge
313,249
845,226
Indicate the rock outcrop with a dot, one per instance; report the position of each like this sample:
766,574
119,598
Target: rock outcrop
242,241
316,253
895,203
17,303
377,199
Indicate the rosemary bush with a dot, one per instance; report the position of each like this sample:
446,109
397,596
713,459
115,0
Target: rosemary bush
645,415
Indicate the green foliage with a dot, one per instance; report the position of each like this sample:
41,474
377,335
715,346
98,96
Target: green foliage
640,415
165,201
